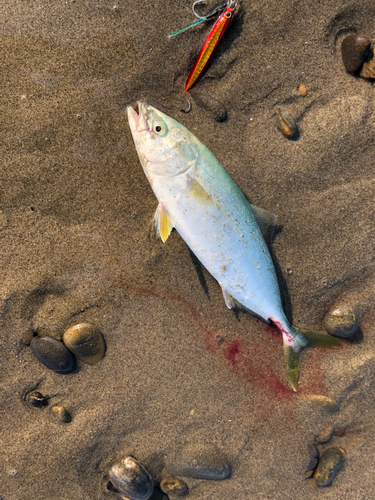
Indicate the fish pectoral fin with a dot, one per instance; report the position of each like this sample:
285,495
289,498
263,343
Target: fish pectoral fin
266,221
163,223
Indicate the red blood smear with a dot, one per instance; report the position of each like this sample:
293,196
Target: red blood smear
232,350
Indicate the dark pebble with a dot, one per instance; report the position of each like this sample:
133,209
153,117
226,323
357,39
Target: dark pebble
355,49
36,399
286,124
214,108
52,354
329,465
313,457
173,486
199,460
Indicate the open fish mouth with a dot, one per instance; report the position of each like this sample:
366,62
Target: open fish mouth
139,121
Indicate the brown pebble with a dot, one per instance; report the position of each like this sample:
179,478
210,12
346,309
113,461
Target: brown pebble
340,432
27,337
173,486
302,90
86,342
323,402
354,50
285,123
326,434
309,474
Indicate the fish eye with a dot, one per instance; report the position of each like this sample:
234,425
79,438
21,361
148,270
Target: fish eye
228,14
160,128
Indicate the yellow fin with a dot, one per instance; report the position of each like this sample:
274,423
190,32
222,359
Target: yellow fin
163,223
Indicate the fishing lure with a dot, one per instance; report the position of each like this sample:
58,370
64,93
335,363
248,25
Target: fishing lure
211,43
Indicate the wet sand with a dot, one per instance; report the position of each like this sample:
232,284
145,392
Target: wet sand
77,245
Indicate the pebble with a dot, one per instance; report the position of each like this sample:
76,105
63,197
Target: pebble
285,123
36,399
61,414
325,435
200,460
340,321
174,487
28,337
302,90
313,457
340,432
322,402
354,50
52,354
130,478
86,342
214,108
329,465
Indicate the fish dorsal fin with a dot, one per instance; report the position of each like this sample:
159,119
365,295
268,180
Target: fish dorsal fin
163,223
266,221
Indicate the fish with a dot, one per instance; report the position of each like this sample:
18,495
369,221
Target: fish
198,198
210,45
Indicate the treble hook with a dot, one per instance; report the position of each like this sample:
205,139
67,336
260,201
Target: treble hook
196,15
212,12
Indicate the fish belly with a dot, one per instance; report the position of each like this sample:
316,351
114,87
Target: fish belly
229,244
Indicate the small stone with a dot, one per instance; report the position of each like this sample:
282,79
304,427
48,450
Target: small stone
354,50
199,460
28,337
286,124
340,321
322,402
212,106
36,399
86,342
340,432
309,474
52,354
130,478
173,486
313,457
302,90
61,414
329,465
325,435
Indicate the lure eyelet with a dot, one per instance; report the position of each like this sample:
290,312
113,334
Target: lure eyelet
159,128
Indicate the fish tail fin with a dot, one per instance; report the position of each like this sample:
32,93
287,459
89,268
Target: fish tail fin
296,339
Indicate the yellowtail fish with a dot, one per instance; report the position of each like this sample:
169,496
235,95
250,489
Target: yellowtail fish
201,201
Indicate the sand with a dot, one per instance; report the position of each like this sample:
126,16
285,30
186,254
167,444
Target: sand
77,245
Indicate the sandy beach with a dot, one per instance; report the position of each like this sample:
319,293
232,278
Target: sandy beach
78,245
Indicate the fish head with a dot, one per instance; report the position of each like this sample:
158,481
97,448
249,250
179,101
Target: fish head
165,147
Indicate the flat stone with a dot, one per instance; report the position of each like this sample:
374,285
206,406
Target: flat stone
86,342
322,402
340,321
354,50
329,465
200,460
286,124
52,354
313,457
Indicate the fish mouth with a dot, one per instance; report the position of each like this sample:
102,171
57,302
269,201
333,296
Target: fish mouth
139,122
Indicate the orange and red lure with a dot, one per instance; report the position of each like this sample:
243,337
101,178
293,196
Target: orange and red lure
211,44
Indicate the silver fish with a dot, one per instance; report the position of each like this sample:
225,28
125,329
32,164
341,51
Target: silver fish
201,201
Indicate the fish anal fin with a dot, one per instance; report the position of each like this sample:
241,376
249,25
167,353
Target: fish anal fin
233,303
266,221
163,223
